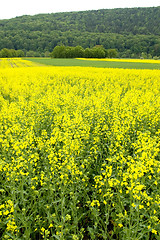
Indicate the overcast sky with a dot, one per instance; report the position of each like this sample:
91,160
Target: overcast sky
13,8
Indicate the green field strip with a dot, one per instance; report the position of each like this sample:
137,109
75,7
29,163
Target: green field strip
89,63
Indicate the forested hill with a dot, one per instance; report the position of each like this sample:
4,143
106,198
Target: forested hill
130,30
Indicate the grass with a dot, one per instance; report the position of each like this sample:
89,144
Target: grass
89,63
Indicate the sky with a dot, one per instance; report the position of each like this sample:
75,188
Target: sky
13,8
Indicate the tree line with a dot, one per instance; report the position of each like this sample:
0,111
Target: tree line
64,52
80,52
131,31
9,53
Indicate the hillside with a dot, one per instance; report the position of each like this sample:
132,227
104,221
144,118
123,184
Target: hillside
130,30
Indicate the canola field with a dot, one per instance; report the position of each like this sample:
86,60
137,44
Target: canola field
15,62
79,153
122,60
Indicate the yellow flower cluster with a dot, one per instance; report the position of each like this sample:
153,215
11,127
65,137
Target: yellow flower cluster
79,147
7,215
123,60
16,62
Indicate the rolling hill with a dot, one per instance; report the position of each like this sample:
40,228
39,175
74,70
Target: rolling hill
132,31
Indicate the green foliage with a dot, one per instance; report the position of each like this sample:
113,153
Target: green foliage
130,31
9,53
98,52
19,53
112,53
59,52
32,54
78,52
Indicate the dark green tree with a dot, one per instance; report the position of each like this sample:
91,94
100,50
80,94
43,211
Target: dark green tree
88,53
30,54
20,53
9,53
156,51
112,53
130,31
59,52
5,53
98,52
79,52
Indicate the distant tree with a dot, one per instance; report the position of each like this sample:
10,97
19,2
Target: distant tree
112,53
106,53
88,53
59,52
9,53
37,54
74,52
20,53
98,52
156,58
30,54
156,50
13,53
79,52
5,53
69,52
47,54
149,56
130,31
143,55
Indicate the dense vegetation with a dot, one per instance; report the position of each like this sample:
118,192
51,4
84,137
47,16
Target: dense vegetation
133,32
80,151
9,53
79,52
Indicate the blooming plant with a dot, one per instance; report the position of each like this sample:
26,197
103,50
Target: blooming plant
79,153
